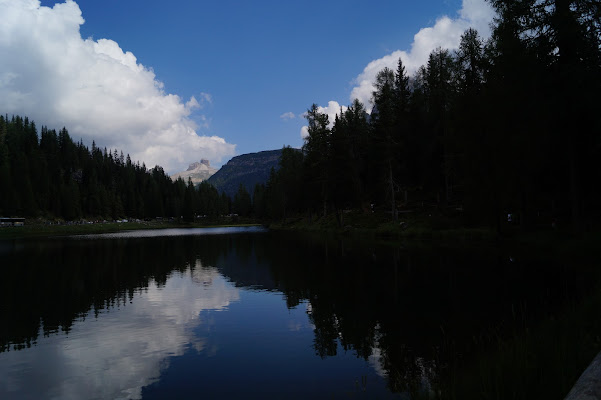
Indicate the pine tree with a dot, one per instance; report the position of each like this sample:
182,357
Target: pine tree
242,203
385,141
317,153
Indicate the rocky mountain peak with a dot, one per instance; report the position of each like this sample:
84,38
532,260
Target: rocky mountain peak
197,171
198,165
193,166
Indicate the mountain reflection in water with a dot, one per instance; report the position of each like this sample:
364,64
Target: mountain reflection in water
259,314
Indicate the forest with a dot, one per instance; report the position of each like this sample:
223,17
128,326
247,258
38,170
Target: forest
53,177
507,125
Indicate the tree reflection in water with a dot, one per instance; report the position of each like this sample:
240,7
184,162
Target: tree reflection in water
436,322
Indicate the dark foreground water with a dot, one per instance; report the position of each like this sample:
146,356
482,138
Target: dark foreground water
244,313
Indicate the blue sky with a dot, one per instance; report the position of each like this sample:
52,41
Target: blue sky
235,68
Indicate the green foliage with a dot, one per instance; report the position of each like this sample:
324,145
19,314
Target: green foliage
283,194
188,208
259,204
504,126
317,157
52,176
242,203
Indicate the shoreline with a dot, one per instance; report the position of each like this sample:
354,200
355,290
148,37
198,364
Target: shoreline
379,227
441,230
37,229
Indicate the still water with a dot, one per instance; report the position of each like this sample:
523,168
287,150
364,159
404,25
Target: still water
246,313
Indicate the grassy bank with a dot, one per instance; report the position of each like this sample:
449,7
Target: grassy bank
445,230
408,226
378,226
42,228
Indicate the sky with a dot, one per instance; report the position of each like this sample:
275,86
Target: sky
173,82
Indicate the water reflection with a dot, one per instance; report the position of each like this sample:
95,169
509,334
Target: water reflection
153,233
124,347
141,316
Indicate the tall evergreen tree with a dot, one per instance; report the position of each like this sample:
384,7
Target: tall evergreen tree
317,153
242,203
385,141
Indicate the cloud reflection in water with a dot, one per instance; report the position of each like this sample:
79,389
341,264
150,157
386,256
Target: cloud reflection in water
125,348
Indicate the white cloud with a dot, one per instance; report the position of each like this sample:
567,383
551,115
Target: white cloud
331,110
49,73
445,33
304,132
206,98
287,116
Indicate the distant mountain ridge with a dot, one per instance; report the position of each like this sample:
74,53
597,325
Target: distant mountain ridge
248,169
197,172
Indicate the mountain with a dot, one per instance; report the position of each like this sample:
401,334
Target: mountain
248,169
197,171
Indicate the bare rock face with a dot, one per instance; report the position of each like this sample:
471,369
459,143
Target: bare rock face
197,172
193,166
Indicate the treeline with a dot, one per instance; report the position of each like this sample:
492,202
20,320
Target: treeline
53,177
505,126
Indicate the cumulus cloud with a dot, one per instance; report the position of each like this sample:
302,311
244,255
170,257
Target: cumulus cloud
331,110
49,73
445,33
287,116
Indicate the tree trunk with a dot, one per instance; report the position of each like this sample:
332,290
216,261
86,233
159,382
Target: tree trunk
392,199
339,218
574,189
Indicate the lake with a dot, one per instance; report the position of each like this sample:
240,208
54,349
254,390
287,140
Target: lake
248,313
